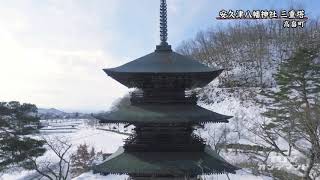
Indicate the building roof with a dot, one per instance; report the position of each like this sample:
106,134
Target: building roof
162,62
165,163
161,113
145,70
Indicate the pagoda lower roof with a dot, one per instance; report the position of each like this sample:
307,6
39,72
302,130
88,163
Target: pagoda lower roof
165,163
161,113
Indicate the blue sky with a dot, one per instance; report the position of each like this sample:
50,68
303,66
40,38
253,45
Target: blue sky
52,51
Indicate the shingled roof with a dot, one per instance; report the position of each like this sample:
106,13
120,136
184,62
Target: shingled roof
166,63
162,62
165,163
158,113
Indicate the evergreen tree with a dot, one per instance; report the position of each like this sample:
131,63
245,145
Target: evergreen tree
16,121
82,160
293,108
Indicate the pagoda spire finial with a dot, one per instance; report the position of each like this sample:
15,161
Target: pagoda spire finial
164,46
163,23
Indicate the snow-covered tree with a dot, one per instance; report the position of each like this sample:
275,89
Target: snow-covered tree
16,121
293,107
82,159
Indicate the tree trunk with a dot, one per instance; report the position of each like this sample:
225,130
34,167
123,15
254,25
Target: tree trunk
309,168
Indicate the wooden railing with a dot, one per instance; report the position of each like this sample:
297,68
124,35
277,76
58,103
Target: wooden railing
140,98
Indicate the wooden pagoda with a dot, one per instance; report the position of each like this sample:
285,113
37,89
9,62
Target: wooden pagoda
163,145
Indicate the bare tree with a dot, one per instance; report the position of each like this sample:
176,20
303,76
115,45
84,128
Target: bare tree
58,170
248,51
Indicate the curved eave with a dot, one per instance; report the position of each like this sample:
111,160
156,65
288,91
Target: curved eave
172,114
146,71
113,71
108,121
163,62
142,71
187,79
165,163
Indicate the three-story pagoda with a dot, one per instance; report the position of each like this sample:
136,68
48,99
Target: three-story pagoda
164,115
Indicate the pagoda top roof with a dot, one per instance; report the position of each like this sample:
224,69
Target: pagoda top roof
162,61
165,163
159,113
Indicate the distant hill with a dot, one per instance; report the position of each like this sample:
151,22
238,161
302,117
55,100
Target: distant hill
53,113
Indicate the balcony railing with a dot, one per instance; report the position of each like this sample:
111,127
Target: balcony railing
163,97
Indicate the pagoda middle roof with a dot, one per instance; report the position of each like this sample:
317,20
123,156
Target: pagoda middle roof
161,113
165,163
162,62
